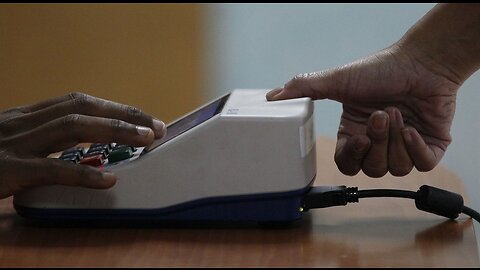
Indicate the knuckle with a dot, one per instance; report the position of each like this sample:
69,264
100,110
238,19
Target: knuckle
345,167
132,112
425,167
71,120
117,124
76,95
400,171
70,125
296,81
374,172
349,171
300,83
81,100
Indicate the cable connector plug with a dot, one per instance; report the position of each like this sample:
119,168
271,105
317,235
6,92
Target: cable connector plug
427,198
328,196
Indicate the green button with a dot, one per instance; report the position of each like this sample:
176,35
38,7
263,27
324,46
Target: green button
120,154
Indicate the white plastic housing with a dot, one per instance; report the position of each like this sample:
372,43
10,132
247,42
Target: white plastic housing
251,147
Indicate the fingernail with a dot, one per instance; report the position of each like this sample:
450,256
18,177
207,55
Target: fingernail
160,128
380,122
143,131
406,135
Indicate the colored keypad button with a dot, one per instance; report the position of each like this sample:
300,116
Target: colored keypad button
96,160
72,156
119,146
101,147
120,154
80,150
98,154
73,159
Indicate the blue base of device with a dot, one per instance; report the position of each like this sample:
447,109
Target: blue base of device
272,207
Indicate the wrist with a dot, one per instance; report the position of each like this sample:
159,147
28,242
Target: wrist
446,41
435,62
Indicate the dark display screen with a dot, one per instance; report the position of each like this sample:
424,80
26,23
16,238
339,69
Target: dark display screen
190,121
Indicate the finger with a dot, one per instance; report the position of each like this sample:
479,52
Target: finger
49,102
350,152
87,105
73,129
20,174
424,157
399,161
375,163
317,85
271,94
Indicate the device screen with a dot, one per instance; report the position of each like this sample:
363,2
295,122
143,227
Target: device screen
190,121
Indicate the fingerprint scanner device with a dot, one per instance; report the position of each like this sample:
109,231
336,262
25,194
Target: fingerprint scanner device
237,158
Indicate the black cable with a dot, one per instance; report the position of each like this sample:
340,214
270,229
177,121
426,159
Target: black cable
370,193
430,199
472,213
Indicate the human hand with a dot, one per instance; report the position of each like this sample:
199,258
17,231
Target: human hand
28,134
397,111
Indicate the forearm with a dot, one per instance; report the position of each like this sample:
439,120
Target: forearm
447,39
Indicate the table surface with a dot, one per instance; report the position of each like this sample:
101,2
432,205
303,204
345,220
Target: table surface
377,232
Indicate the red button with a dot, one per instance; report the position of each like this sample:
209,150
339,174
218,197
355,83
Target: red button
96,160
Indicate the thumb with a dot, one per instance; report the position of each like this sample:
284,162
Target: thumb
316,85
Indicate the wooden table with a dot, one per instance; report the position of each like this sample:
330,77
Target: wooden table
377,232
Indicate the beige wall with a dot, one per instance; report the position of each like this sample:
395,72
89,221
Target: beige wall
144,55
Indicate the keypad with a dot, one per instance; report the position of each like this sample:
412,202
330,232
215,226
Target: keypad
98,154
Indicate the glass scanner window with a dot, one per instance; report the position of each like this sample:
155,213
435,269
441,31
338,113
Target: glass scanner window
190,121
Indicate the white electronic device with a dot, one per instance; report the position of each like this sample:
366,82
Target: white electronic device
237,158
